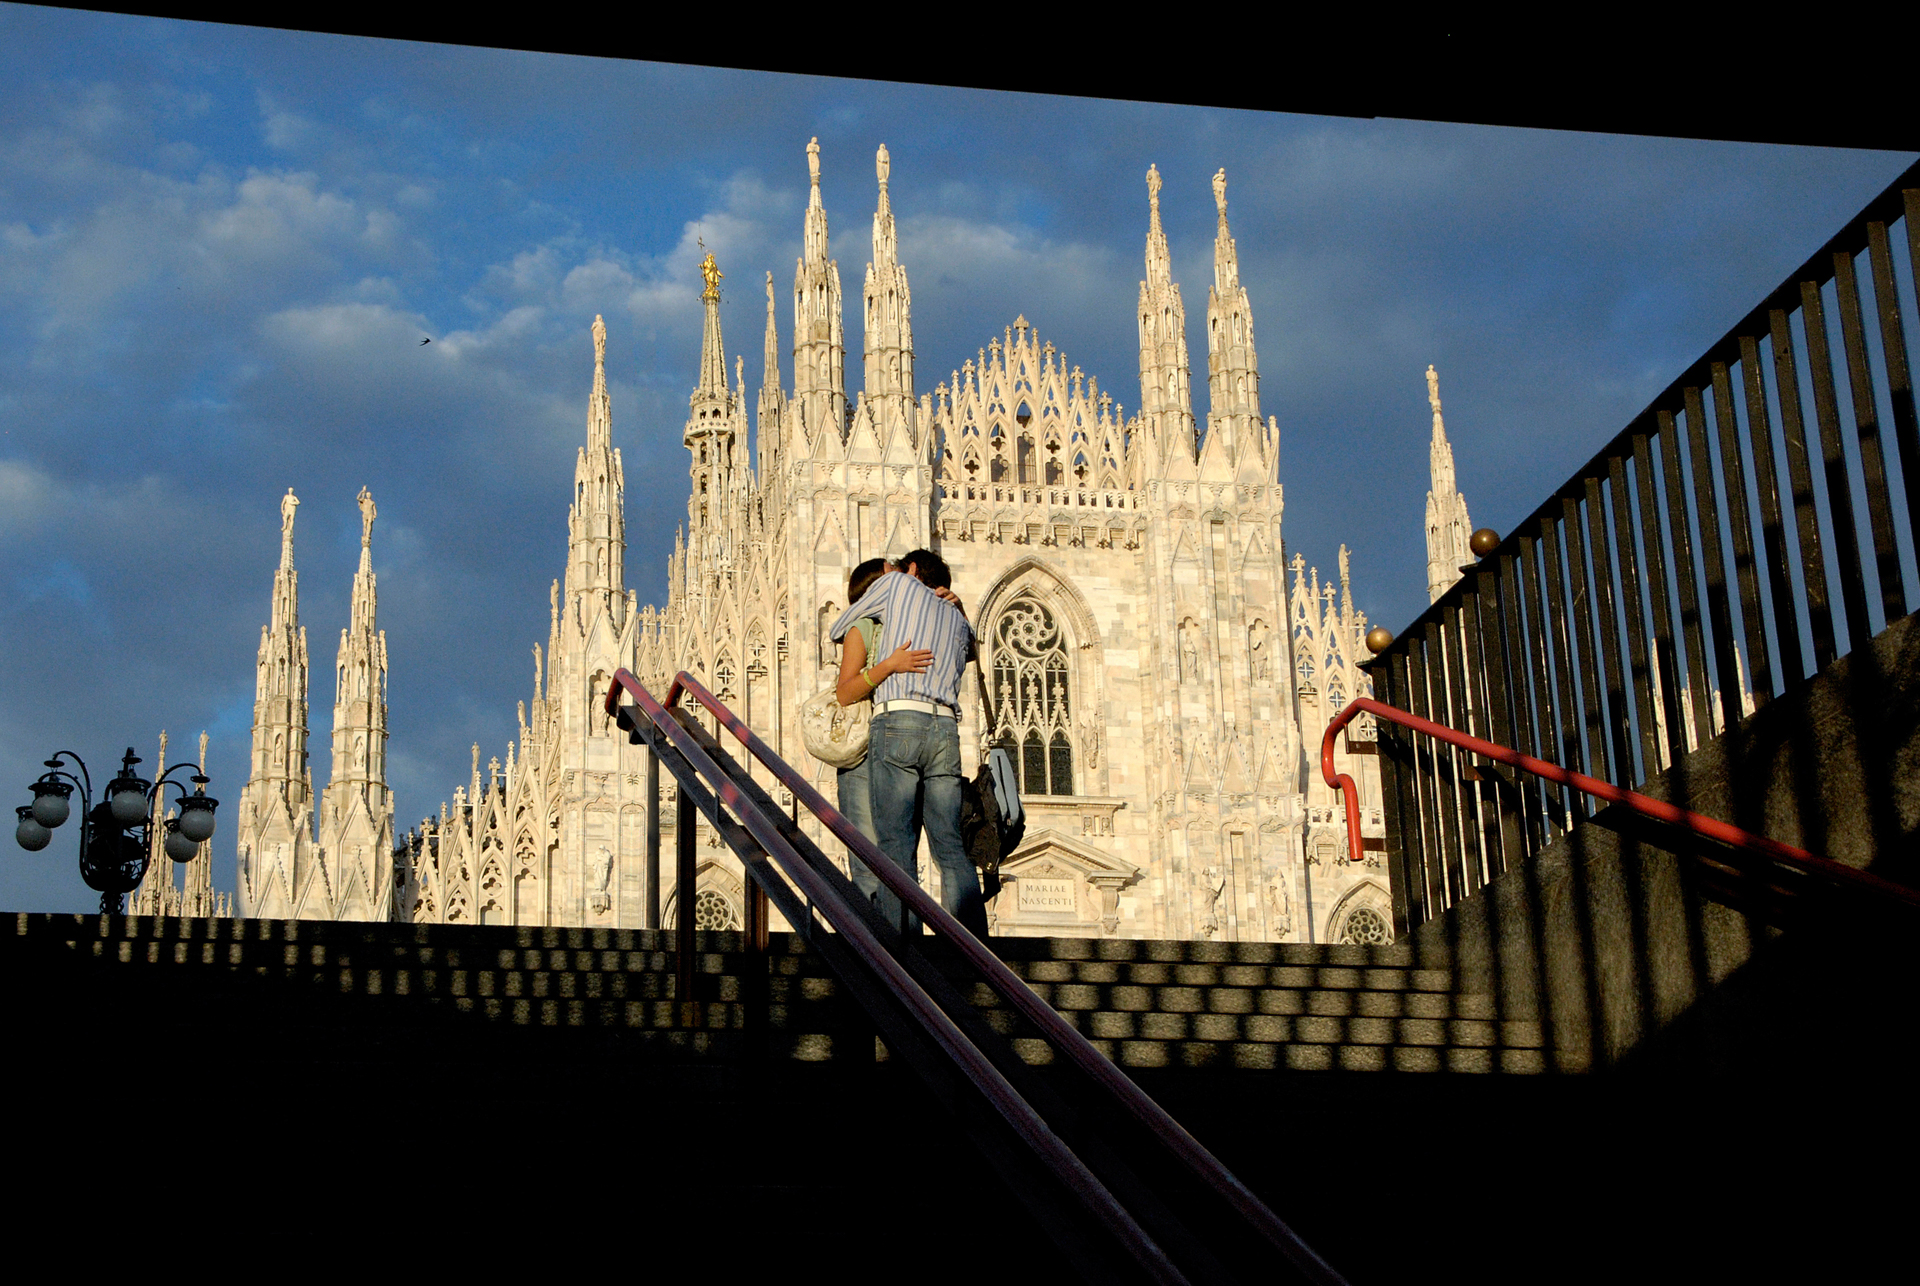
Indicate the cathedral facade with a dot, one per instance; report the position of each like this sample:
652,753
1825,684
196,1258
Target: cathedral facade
1164,670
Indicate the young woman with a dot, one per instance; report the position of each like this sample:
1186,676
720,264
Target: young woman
858,679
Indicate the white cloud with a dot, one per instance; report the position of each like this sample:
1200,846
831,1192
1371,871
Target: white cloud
26,496
284,130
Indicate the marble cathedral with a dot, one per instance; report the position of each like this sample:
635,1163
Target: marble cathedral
1164,668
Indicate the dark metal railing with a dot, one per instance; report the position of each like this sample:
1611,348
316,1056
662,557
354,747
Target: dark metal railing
1684,577
919,1010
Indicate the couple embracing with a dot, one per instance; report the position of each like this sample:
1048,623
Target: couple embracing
906,613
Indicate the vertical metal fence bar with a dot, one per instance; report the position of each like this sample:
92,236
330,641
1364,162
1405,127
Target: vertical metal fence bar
653,835
1826,407
1612,671
1580,609
1446,780
1494,646
1674,741
1634,607
1733,475
1713,565
1403,884
1806,517
1693,640
1560,641
1539,633
1524,704
1462,812
1433,863
683,895
1893,345
1773,536
1866,428
1474,669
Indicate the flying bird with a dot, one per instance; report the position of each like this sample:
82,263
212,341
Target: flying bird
427,340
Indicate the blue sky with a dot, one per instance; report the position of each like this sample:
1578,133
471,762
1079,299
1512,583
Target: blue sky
219,248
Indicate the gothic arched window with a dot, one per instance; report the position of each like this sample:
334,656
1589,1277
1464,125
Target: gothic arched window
1033,696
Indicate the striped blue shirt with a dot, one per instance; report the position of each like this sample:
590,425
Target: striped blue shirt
910,612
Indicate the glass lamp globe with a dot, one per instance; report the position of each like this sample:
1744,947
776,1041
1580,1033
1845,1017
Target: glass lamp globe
50,807
180,848
31,835
196,817
127,800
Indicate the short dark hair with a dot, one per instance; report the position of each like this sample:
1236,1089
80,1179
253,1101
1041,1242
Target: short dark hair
861,579
929,567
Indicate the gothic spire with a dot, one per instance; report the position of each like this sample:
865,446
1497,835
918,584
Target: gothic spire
770,377
713,361
819,350
1159,261
599,406
276,803
1448,527
596,528
885,244
1235,445
888,336
1166,403
770,434
714,418
815,234
356,809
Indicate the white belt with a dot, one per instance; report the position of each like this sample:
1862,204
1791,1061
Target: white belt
923,707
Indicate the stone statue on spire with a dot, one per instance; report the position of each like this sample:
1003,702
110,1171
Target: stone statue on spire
813,162
882,164
599,341
288,503
1153,187
711,274
1220,192
367,515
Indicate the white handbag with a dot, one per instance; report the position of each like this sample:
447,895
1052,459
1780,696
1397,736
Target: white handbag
833,733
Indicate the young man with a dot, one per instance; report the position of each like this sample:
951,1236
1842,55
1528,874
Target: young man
913,747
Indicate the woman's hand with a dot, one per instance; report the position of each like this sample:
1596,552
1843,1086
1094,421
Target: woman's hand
906,659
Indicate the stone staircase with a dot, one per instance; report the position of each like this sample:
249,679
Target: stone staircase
1371,1101
1145,1004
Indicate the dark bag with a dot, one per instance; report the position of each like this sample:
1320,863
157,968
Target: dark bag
992,821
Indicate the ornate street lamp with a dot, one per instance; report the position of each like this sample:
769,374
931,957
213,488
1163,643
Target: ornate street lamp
116,834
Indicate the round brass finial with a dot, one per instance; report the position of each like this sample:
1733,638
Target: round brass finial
1379,639
1483,542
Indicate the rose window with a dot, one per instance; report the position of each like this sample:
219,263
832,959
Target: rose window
1366,925
711,910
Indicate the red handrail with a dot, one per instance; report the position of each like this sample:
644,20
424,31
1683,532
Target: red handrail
1020,1116
1655,808
1063,1036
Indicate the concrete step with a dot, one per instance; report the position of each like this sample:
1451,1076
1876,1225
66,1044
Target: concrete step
1145,1004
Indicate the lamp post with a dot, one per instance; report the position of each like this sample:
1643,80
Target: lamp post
116,834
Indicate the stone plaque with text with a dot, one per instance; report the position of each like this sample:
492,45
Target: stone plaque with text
1047,895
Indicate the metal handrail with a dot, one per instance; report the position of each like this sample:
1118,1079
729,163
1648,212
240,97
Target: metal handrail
1658,809
1061,1035
1019,1115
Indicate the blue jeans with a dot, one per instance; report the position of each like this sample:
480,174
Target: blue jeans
913,778
856,805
